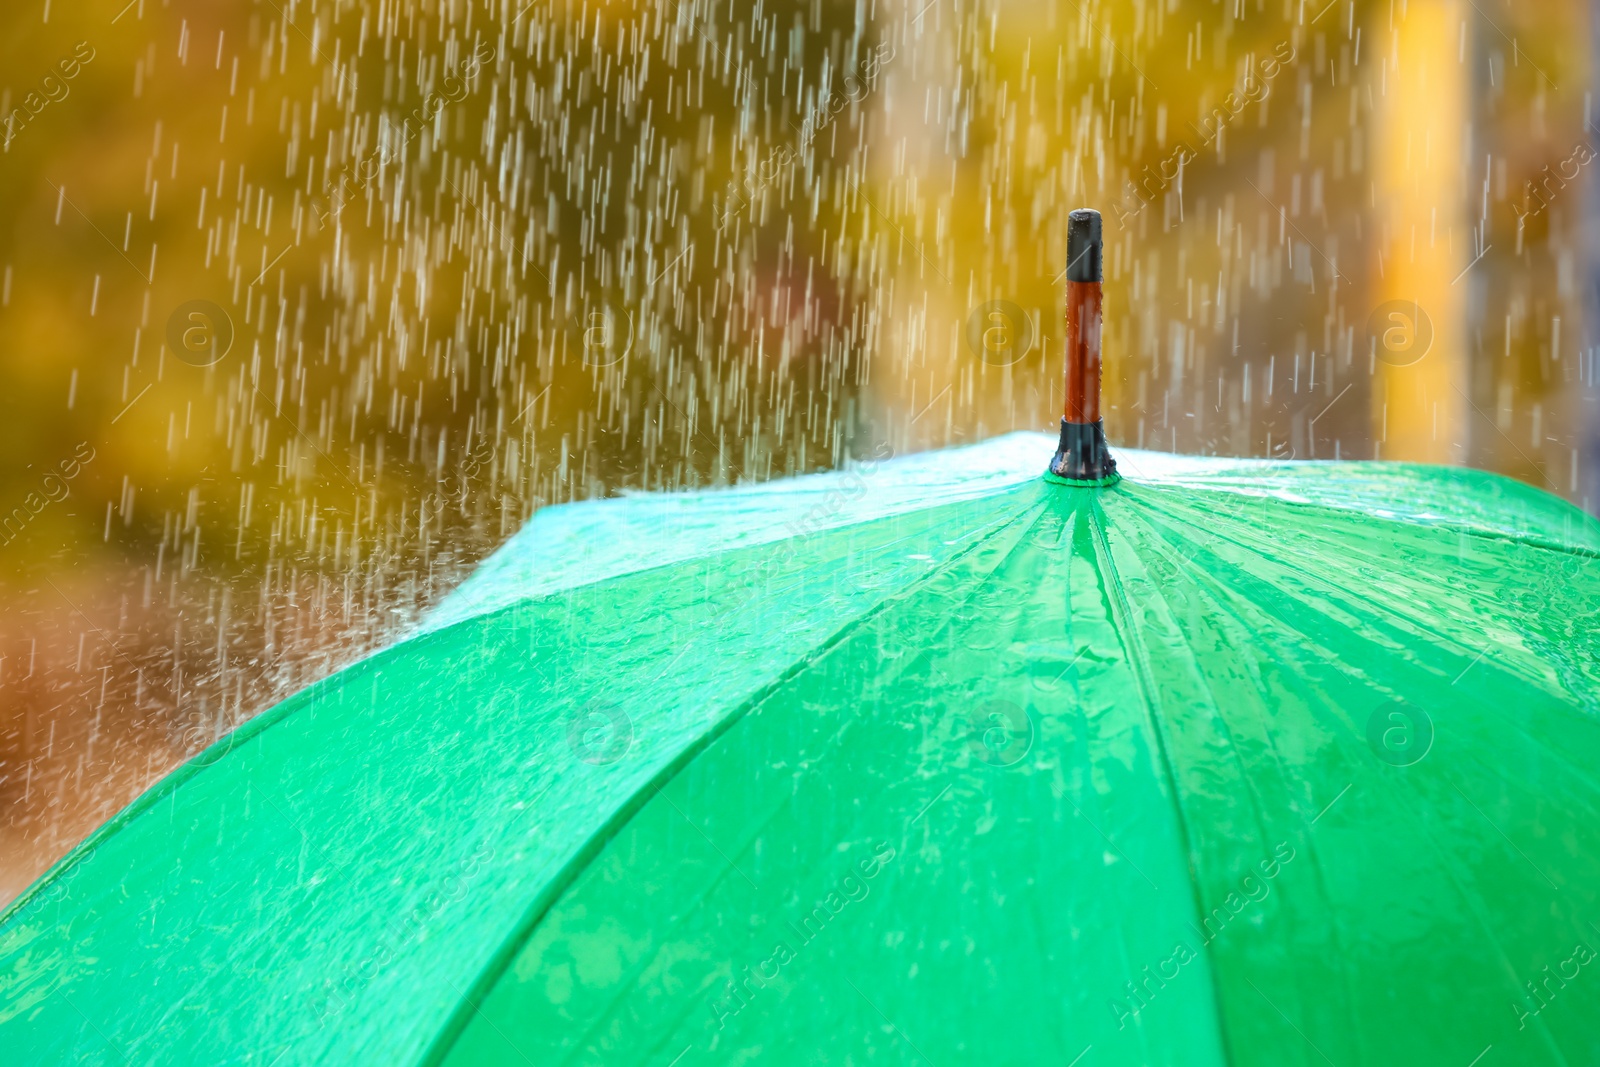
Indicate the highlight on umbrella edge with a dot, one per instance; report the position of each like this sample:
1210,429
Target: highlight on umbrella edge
1082,457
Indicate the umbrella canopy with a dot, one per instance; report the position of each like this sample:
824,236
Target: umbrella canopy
933,761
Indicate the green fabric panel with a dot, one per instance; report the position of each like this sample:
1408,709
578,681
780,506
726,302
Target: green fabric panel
1192,853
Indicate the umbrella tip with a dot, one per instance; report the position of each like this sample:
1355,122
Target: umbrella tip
1082,455
1085,246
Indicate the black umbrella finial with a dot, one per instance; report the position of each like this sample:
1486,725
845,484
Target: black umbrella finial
1082,455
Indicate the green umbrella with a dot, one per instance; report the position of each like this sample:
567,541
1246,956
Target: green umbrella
928,762
931,761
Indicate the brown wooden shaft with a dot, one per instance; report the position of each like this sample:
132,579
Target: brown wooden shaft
1083,352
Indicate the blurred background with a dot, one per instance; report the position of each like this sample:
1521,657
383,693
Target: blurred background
305,307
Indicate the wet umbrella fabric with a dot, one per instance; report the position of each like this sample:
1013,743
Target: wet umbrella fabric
933,762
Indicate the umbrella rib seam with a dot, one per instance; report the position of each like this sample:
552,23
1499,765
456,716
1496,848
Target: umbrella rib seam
1119,600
